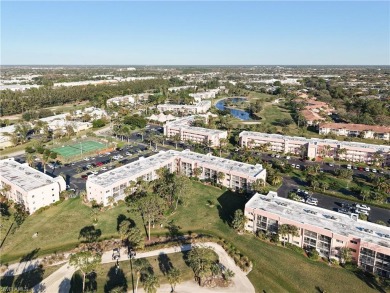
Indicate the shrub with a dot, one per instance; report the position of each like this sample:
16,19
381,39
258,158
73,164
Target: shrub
295,248
313,254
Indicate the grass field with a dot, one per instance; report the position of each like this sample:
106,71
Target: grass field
79,148
208,209
107,278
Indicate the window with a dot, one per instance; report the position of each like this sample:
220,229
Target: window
352,250
353,242
339,241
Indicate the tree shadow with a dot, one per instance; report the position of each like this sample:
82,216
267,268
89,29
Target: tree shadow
7,280
370,280
90,234
164,263
119,220
64,286
30,277
299,181
116,278
4,209
174,230
30,256
228,203
76,283
90,282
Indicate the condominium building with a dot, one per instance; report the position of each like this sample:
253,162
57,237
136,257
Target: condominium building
203,95
236,175
316,148
128,99
6,136
29,186
324,230
183,128
199,108
353,130
180,88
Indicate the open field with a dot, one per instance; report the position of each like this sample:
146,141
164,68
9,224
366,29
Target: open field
276,269
107,279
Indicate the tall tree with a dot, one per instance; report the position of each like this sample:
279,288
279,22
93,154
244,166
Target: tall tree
174,277
86,262
151,283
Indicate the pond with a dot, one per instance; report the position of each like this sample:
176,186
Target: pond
240,114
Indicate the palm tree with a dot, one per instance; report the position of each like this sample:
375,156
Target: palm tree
151,283
140,265
220,177
222,145
197,172
174,277
276,179
30,159
176,139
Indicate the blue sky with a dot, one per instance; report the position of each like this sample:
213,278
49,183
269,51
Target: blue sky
199,33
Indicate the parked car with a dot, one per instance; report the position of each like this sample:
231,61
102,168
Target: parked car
349,166
277,156
312,201
367,169
104,169
343,211
355,167
94,172
293,165
362,207
86,159
128,154
363,212
85,177
331,165
374,171
297,167
288,158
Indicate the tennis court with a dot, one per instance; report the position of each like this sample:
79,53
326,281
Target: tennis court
79,148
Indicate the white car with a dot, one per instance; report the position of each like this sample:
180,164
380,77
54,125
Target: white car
94,172
367,169
349,167
120,157
360,211
104,169
363,207
277,156
288,158
331,165
297,167
374,170
293,165
128,154
312,201
86,159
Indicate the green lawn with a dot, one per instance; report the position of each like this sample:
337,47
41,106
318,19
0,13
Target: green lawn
107,278
208,209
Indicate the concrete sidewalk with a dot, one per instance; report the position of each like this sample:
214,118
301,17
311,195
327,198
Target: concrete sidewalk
59,281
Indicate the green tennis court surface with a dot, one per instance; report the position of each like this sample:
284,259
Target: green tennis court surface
78,148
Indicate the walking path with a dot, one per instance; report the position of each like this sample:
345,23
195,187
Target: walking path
59,281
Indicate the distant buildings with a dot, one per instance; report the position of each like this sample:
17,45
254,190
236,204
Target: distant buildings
326,231
6,136
199,108
186,132
318,148
349,129
128,99
314,111
60,123
203,95
29,186
180,88
114,183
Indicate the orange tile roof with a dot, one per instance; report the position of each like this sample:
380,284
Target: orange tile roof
356,127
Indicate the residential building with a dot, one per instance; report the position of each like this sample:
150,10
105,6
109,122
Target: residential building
183,128
123,100
317,148
200,107
324,230
29,186
203,95
113,183
180,88
354,130
6,136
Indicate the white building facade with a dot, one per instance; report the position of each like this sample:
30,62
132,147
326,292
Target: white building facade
113,184
318,148
183,128
29,186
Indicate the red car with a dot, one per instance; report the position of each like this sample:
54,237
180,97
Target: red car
85,177
99,164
